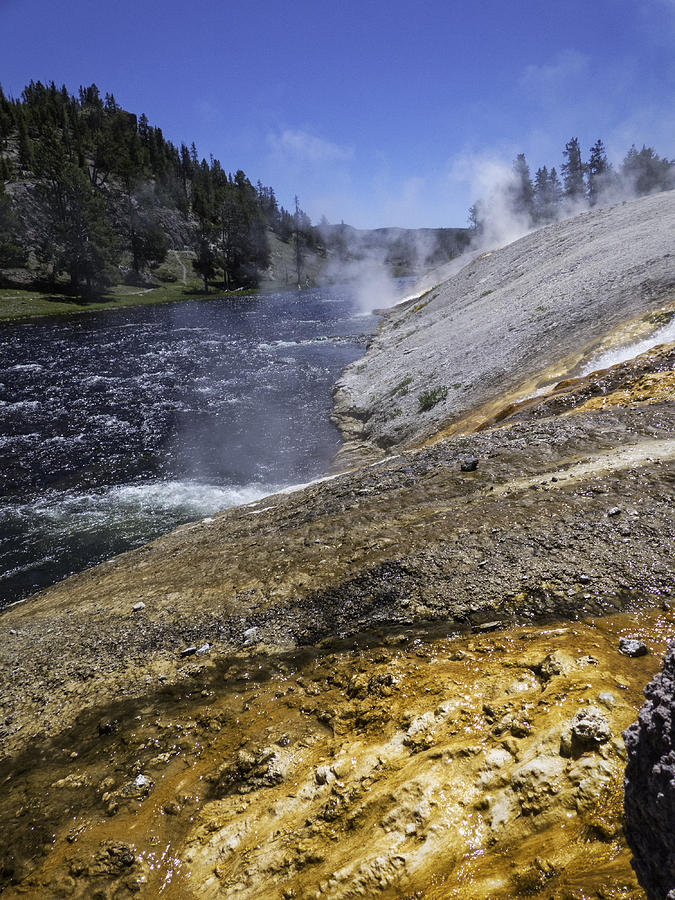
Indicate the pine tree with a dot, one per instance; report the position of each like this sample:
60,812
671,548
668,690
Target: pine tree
81,241
599,171
205,261
474,218
645,171
555,186
6,170
522,192
573,170
542,196
298,240
26,152
11,251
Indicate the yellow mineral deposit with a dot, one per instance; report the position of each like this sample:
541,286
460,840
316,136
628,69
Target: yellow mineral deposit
408,764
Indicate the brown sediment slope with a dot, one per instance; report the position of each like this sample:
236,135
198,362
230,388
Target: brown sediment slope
404,681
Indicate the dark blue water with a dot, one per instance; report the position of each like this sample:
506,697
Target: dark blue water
117,427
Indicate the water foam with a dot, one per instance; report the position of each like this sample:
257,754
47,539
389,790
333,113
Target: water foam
663,335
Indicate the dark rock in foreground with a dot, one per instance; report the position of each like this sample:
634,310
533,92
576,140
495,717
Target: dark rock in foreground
649,788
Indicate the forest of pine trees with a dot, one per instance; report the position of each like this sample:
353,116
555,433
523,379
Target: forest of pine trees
550,195
101,176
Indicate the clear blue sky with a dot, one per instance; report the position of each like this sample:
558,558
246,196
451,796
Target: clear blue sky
378,113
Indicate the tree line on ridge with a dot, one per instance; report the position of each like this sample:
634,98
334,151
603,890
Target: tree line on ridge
84,184
549,197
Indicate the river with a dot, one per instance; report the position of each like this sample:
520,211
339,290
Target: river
117,427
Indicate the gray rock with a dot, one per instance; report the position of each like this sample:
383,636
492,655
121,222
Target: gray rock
488,626
469,464
632,647
588,729
614,511
649,785
203,650
607,699
137,607
189,651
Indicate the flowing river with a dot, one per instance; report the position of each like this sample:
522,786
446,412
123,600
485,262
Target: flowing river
117,427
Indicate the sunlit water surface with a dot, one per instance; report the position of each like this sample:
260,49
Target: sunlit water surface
115,428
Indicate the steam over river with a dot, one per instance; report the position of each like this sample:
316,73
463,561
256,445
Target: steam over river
115,428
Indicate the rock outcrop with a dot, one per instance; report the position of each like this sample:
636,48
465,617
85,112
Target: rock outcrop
649,787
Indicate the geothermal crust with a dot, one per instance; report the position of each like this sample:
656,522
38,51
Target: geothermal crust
508,323
407,680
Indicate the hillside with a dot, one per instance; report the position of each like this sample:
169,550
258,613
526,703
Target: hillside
408,679
93,197
510,323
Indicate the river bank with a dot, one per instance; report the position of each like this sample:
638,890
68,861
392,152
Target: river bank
405,680
26,304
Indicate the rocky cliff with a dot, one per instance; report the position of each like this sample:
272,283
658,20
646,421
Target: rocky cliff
408,680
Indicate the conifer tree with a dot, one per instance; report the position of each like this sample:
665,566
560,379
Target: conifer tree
82,242
599,171
522,192
645,171
555,188
205,261
11,251
542,198
25,143
573,170
298,240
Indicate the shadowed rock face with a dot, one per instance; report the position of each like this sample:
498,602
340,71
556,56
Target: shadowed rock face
649,789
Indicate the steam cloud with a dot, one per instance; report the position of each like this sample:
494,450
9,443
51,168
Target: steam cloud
497,184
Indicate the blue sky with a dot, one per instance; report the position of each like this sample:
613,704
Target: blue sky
378,113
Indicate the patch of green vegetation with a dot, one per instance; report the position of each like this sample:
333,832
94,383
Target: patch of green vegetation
542,308
486,293
27,303
428,399
401,389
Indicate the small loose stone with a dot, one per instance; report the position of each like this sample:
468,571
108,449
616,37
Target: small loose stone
632,647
